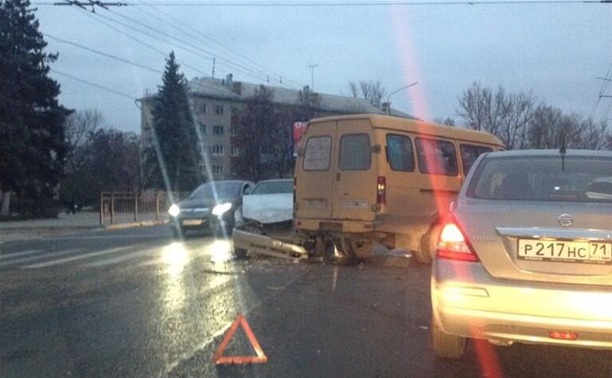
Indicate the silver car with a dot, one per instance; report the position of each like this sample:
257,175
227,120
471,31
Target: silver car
525,254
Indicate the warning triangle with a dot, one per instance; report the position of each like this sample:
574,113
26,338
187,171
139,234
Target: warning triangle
219,358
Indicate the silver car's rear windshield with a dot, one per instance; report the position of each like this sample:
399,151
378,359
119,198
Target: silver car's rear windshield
548,178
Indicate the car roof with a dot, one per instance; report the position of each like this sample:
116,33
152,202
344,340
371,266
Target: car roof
522,153
225,182
275,180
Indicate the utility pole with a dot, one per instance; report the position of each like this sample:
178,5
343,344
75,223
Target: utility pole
312,67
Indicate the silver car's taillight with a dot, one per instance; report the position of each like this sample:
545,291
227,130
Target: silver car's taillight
453,245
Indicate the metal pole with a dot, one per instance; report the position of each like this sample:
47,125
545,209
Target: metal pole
135,207
394,92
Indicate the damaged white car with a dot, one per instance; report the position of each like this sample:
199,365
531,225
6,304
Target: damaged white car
268,205
264,224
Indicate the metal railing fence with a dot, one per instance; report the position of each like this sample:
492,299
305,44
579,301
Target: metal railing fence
125,207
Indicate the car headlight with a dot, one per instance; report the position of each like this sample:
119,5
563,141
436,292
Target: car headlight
221,208
174,210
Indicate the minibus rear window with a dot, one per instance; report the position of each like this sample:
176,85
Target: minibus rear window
317,153
355,152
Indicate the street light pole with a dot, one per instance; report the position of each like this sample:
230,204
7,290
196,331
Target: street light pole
394,92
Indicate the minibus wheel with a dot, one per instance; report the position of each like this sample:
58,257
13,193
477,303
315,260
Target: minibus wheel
338,251
358,247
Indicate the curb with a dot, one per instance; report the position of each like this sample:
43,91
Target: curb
120,226
28,233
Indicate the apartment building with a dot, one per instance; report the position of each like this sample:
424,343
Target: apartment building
213,101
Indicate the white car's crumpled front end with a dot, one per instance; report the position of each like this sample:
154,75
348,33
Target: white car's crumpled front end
268,208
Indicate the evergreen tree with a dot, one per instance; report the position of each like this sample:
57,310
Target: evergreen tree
32,140
172,162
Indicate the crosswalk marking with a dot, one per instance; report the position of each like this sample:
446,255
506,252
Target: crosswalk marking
76,258
22,253
118,259
38,257
142,254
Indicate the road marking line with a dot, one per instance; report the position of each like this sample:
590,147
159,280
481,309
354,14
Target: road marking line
23,253
118,259
38,257
75,258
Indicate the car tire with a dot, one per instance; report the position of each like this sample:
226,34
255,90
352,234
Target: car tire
429,241
445,345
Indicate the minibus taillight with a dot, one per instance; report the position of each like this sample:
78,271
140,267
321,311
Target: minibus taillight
381,190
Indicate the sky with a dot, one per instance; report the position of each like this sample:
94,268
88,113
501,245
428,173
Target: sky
559,51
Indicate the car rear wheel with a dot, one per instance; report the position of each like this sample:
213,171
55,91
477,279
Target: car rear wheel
428,244
445,345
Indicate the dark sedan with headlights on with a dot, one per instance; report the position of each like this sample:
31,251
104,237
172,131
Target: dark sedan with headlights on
210,207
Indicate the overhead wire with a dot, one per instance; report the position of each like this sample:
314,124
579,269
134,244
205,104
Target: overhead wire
285,4
187,46
94,84
143,43
110,56
221,48
602,92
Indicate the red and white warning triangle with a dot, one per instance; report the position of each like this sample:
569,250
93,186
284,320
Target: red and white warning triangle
220,359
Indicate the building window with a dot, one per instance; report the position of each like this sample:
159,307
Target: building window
234,131
202,108
202,127
234,151
217,149
202,148
218,130
218,109
217,169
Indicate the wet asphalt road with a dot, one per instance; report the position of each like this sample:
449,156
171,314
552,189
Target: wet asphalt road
134,303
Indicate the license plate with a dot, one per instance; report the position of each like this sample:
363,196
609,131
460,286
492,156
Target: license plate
192,222
565,251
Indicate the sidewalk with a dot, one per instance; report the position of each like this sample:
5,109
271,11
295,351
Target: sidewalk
69,223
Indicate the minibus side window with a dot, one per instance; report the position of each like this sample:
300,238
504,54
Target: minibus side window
437,157
469,154
400,154
317,153
355,152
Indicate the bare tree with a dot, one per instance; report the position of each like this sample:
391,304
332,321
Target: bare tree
543,131
371,90
505,115
595,136
448,121
550,128
79,126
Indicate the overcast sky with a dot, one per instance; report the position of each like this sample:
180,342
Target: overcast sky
558,51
